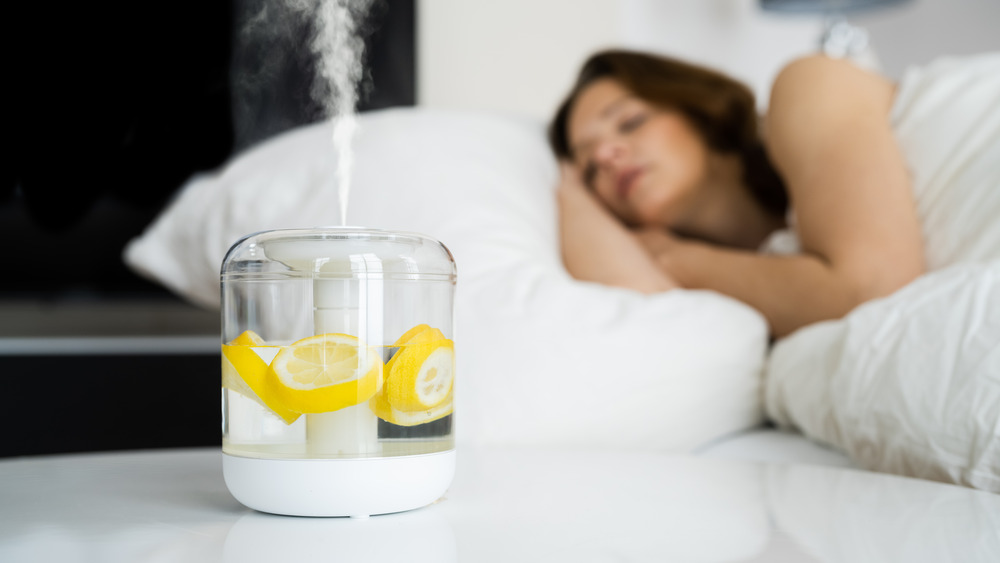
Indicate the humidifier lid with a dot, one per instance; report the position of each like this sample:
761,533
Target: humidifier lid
340,252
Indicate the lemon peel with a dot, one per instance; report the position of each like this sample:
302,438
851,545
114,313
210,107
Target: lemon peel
413,332
243,372
386,412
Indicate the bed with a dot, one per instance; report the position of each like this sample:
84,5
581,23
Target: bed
548,360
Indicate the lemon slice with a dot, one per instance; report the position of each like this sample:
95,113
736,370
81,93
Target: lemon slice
243,371
386,412
324,373
422,375
418,379
419,334
413,332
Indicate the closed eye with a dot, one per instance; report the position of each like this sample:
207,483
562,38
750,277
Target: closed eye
632,123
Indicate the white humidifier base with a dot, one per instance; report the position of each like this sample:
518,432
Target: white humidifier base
339,487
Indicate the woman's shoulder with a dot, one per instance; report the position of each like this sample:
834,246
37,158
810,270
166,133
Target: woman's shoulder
817,80
824,83
815,94
817,62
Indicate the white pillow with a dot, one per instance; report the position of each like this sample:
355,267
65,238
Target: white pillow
908,384
542,359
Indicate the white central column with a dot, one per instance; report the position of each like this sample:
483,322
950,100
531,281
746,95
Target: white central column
347,306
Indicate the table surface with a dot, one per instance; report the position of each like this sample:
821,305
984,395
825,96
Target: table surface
504,505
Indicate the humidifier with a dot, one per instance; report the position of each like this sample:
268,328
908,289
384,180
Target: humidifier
338,371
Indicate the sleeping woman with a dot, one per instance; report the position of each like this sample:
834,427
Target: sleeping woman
670,178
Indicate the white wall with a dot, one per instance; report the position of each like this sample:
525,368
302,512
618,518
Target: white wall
521,55
923,29
731,35
507,55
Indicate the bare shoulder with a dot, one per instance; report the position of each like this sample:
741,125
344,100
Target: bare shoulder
821,78
815,96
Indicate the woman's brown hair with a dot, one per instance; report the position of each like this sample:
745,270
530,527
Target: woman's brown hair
723,110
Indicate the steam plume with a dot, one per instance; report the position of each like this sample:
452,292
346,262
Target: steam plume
340,48
337,45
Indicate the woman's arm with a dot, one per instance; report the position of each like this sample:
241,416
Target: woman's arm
790,291
830,138
597,247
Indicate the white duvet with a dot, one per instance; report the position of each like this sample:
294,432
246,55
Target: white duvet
910,384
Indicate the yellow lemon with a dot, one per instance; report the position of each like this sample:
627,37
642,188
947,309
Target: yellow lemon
414,332
324,373
422,375
386,412
243,371
418,379
248,338
418,334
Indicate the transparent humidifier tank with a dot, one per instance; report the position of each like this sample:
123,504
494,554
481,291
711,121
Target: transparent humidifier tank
338,371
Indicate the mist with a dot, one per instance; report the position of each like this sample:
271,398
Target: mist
314,51
340,48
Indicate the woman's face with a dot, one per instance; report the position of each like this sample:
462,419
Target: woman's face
645,163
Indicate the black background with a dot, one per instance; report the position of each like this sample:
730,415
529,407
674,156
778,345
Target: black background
113,105
108,108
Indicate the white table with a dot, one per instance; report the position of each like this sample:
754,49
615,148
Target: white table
504,506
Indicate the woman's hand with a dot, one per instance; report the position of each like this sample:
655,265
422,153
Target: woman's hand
662,246
596,246
571,187
658,242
